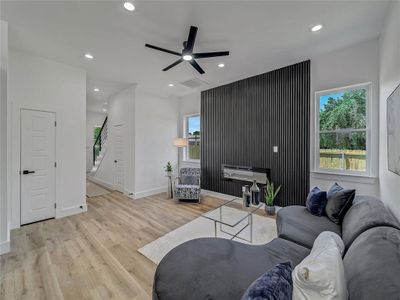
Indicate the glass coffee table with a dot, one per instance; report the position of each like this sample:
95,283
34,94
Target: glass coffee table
233,214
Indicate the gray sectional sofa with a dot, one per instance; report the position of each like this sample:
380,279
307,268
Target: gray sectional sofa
219,269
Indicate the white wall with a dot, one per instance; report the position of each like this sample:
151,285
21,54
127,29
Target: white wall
93,119
150,125
121,110
4,207
41,84
156,125
352,65
188,105
389,80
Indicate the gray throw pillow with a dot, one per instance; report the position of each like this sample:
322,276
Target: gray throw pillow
189,179
339,202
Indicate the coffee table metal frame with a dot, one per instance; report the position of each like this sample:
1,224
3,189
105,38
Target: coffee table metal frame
248,214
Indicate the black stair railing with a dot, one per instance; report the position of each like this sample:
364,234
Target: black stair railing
100,140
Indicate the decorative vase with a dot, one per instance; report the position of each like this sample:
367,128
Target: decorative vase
246,196
255,193
270,210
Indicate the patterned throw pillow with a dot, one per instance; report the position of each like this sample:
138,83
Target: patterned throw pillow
316,202
276,284
339,202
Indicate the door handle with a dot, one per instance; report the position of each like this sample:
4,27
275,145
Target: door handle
26,172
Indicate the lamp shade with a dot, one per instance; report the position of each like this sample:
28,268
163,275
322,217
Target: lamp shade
180,142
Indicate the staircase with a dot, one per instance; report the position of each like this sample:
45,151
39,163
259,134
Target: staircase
100,147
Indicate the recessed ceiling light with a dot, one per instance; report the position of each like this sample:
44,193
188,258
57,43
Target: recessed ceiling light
89,56
316,28
129,6
187,57
171,84
221,65
96,90
105,110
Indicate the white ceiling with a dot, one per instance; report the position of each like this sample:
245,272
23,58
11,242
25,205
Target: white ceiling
260,35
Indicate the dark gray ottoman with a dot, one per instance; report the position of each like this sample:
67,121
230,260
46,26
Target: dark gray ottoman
219,269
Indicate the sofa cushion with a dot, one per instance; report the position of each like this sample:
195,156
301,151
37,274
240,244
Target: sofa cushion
214,268
365,213
372,265
296,224
275,284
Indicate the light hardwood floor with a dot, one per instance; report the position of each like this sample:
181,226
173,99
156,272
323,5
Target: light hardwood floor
92,255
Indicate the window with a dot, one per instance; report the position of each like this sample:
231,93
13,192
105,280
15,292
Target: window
192,133
342,137
96,132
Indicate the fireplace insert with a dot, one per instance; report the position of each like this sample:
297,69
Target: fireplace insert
245,174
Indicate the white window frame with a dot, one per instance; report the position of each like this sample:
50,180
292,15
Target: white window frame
368,87
185,134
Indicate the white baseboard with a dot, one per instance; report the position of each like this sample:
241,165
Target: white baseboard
217,195
71,211
4,247
149,192
100,182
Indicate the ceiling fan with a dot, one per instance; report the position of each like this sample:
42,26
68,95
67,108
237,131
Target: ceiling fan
187,52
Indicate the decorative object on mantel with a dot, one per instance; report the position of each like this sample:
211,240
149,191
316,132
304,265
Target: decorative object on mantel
180,143
393,131
255,193
246,196
270,194
168,170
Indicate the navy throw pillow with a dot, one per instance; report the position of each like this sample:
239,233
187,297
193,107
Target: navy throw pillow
316,202
339,202
276,284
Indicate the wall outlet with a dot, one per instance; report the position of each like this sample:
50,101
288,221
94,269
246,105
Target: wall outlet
276,149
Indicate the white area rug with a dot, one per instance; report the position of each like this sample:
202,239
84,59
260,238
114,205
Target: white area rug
264,230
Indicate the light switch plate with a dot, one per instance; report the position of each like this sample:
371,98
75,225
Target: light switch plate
275,149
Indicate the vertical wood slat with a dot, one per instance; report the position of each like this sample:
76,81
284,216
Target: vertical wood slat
243,120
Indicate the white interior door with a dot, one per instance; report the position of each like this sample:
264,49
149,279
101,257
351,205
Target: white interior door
119,163
38,174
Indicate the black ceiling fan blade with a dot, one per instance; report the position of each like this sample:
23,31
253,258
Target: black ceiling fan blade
191,38
210,54
173,65
163,50
196,66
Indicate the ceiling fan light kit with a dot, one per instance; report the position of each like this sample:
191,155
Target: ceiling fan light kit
187,52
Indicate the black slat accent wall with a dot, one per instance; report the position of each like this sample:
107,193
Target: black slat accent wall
242,121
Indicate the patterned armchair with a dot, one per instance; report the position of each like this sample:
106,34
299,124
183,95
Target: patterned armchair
187,185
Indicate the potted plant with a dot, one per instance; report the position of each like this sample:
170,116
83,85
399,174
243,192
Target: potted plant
270,194
168,168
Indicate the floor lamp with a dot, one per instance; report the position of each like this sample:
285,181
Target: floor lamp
180,143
